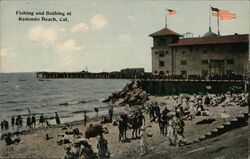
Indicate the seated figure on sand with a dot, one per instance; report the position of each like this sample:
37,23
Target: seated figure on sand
10,141
95,130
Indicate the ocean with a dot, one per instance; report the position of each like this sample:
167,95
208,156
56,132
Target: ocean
69,97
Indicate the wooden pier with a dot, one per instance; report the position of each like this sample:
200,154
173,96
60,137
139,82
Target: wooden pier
88,75
162,85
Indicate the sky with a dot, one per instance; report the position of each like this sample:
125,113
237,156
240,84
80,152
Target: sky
101,35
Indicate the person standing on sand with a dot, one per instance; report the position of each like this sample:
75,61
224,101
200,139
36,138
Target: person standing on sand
134,125
121,128
179,130
140,120
110,114
125,125
28,122
85,118
33,121
96,110
13,121
6,124
144,140
171,134
2,125
102,146
18,120
41,119
58,122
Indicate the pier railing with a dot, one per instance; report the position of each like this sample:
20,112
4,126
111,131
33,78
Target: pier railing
142,76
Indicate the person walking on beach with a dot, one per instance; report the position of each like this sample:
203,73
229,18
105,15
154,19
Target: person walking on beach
58,122
85,118
41,119
33,121
13,121
110,114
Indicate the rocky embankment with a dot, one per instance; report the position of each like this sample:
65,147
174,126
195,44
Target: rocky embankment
131,94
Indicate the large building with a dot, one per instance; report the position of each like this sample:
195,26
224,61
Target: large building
208,55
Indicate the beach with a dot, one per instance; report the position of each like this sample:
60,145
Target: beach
35,146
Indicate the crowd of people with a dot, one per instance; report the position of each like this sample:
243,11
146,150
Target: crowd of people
30,121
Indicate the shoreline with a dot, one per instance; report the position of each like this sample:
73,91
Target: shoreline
94,118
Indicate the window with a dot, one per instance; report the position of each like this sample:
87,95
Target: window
161,53
183,62
156,52
161,42
204,62
230,61
161,63
204,72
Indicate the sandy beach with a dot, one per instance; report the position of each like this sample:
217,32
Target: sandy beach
35,146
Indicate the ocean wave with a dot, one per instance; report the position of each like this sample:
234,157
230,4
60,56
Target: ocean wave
13,102
62,116
17,109
78,102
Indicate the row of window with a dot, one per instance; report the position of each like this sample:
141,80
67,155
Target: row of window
205,50
162,63
212,50
204,62
161,53
162,72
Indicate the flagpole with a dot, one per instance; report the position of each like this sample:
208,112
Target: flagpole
166,20
210,30
218,23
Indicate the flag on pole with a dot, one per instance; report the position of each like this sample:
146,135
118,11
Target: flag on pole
171,12
214,9
224,15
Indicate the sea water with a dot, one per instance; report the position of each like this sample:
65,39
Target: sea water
23,92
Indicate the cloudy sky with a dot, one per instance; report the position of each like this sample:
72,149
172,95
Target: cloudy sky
102,35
